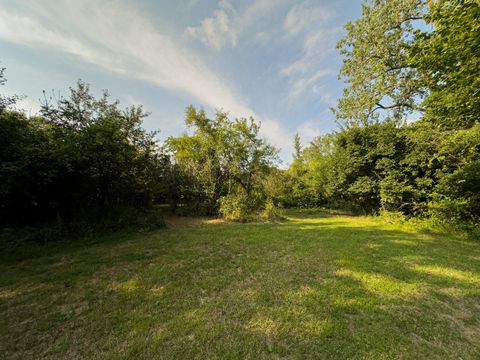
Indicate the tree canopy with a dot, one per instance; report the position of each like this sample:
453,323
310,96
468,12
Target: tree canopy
221,159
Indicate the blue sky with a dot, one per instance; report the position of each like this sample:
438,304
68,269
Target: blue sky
273,59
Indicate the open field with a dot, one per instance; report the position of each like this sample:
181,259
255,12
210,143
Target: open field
310,287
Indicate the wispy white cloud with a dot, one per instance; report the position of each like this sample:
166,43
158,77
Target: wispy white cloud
259,9
21,29
300,84
226,24
305,16
324,94
309,23
219,29
275,132
314,45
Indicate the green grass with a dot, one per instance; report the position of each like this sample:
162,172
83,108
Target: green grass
310,287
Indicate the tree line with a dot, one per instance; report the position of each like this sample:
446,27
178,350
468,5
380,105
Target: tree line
408,141
84,164
403,59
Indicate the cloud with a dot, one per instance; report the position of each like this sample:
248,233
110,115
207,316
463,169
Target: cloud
137,50
24,30
305,16
29,105
302,83
275,133
307,132
314,45
219,29
311,24
306,22
324,95
260,8
226,24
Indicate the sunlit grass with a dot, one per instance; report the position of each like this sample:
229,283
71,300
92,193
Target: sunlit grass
313,286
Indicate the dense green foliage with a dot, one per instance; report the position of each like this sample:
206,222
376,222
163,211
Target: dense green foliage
447,60
378,160
406,55
221,165
82,162
416,169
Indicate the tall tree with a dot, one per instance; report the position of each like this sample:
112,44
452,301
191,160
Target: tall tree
221,157
377,66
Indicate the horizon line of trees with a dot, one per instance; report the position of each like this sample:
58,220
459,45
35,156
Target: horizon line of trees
85,163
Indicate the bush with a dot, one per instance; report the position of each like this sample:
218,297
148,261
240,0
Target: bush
456,196
235,207
454,212
241,208
271,212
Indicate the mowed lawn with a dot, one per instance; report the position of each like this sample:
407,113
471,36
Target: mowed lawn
310,287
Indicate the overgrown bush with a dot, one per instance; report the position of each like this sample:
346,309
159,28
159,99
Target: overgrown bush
235,207
271,212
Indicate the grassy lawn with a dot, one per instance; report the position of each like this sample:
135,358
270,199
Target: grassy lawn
310,287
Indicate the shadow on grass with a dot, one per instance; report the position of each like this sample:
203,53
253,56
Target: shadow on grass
323,288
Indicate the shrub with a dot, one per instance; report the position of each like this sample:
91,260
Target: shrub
271,212
235,207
